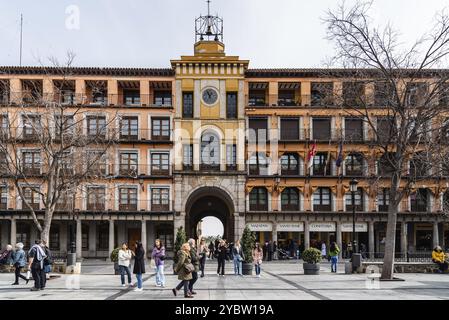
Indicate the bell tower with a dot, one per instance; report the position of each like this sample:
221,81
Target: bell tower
209,34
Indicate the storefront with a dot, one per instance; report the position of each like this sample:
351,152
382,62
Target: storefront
289,234
322,232
360,237
262,230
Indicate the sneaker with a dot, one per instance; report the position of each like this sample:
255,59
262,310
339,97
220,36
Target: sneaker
123,285
188,296
158,285
131,285
218,274
34,289
258,276
138,289
192,292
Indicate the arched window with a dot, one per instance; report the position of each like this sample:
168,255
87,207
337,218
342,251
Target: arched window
258,164
258,199
322,199
289,164
354,165
210,152
290,199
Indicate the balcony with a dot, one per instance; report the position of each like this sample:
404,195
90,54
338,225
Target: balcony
34,205
95,206
290,207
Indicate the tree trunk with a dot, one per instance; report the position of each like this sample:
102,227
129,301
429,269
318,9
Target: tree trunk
45,234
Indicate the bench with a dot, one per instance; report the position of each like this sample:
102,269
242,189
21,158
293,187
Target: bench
403,267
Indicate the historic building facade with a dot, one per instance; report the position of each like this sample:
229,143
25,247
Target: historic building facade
209,136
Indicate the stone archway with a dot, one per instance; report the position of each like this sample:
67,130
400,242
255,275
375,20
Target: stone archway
209,201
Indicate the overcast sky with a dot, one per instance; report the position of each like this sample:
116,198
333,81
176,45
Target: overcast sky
148,33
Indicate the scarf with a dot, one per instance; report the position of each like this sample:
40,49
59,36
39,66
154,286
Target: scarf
40,254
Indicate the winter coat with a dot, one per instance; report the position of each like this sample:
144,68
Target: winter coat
19,258
334,253
257,256
124,258
139,261
195,258
222,252
157,254
438,256
183,259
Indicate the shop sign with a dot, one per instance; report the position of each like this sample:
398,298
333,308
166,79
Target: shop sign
290,227
322,226
359,227
260,226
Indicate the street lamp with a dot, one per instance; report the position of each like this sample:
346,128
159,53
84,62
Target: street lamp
353,188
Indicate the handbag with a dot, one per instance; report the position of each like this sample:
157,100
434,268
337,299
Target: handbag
162,258
189,268
28,276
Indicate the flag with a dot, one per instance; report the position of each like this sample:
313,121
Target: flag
340,155
310,155
328,159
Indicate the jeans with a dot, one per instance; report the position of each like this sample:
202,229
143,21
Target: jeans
18,275
202,264
185,284
139,280
160,277
38,276
123,270
334,261
192,282
237,266
257,266
221,266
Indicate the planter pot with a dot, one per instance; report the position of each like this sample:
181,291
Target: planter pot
311,268
247,269
116,268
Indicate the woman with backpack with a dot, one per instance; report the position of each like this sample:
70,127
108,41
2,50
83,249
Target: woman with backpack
158,255
184,269
139,265
124,262
334,250
19,262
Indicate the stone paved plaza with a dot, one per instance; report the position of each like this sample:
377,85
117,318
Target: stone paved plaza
279,281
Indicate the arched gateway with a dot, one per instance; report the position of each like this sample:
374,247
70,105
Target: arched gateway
210,201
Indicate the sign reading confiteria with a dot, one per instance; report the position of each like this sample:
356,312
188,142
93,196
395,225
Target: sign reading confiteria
290,227
322,226
260,226
359,227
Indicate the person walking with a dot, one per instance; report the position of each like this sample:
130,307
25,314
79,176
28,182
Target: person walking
237,253
334,250
323,250
221,257
124,262
184,268
275,250
257,258
6,257
211,250
203,251
139,265
19,262
195,259
36,257
270,250
158,256
265,251
47,262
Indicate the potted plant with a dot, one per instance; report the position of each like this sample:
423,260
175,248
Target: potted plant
114,258
248,242
180,240
312,259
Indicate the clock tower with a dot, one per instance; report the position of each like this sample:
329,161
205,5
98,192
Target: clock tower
209,133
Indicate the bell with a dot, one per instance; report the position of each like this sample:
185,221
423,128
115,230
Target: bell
208,32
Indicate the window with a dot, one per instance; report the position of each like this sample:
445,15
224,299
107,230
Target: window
354,165
443,95
131,97
358,200
3,197
128,164
160,164
31,162
64,127
322,93
446,201
31,126
385,167
187,150
383,199
187,105
162,98
231,105
258,199
353,129
321,128
383,94
416,93
54,237
386,129
3,163
210,152
420,165
129,128
290,199
84,236
4,91
231,157
96,163
290,129
418,200
96,126
321,164
128,198
160,129
99,97
65,202
102,236
258,164
257,98
32,197
289,164
4,125
258,130
322,199
96,198
23,234
353,93
164,232
160,199
67,97
66,163
287,98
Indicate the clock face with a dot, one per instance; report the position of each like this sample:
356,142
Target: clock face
210,96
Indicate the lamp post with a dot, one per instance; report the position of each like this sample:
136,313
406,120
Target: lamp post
353,188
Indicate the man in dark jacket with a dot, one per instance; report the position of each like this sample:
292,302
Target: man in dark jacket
196,263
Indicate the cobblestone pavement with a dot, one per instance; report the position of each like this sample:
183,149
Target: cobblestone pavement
279,281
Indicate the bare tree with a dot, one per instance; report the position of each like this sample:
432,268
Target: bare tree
47,149
405,107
